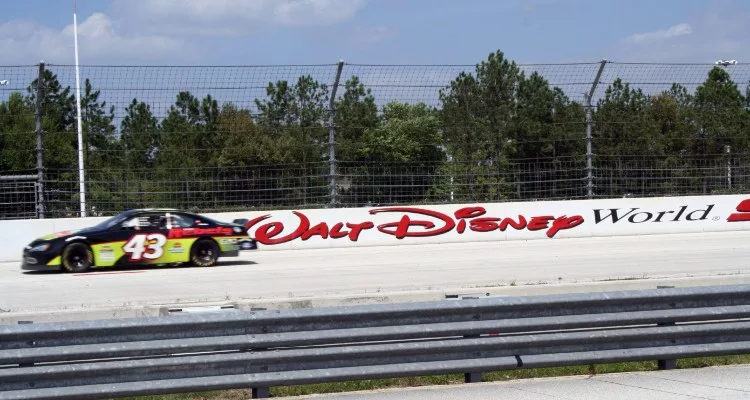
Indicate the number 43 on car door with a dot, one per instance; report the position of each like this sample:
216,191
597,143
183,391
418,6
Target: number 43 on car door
149,247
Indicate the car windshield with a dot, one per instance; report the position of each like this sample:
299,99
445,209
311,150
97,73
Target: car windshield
110,222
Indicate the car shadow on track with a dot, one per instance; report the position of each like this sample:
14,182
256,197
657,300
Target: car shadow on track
142,268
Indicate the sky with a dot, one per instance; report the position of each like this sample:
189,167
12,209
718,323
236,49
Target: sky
263,32
403,50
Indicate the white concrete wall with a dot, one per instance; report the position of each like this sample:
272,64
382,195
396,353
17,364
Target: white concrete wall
581,218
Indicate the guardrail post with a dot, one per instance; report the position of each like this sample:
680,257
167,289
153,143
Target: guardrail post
670,363
259,392
472,377
25,364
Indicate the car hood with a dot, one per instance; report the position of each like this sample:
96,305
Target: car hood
58,235
62,234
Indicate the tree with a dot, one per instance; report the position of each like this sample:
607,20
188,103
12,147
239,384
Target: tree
721,115
58,124
404,149
17,137
139,142
253,160
186,149
58,103
101,154
300,112
139,135
460,118
496,115
546,140
98,127
356,112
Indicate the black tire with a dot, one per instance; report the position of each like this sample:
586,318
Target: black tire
77,257
204,253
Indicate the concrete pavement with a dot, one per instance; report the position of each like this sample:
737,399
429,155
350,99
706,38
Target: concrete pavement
358,271
715,383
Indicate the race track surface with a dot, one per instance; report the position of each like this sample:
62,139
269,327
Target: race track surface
274,274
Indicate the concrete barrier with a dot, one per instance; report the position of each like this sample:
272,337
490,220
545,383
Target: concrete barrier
384,226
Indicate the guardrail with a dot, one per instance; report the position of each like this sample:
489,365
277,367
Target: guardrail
261,349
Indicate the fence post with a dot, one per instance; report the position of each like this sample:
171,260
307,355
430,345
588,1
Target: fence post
729,166
589,150
332,134
39,149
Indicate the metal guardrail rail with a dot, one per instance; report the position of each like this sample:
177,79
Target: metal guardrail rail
262,349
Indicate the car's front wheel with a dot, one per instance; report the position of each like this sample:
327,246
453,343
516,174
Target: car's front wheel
204,253
77,257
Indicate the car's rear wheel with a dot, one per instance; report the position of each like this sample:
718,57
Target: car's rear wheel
77,257
204,253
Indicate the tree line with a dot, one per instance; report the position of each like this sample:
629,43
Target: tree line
498,134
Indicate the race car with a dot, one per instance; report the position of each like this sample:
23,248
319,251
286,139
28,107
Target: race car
139,237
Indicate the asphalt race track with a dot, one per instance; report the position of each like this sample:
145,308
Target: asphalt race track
265,274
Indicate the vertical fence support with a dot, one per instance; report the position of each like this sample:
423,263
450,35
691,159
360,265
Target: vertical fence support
39,147
669,363
729,167
589,146
332,135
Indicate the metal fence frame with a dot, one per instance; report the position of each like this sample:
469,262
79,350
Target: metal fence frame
261,349
36,185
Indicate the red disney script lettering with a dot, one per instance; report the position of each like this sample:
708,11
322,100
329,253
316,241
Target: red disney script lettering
470,216
413,223
743,212
267,233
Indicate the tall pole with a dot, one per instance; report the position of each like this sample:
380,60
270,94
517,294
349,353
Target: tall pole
39,149
81,182
332,134
589,139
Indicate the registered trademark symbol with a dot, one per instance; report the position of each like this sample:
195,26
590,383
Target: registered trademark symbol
717,218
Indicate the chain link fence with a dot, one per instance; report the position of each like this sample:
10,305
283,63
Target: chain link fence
349,135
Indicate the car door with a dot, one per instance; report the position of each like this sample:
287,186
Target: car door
147,239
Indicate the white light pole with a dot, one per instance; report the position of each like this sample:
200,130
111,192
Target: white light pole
81,183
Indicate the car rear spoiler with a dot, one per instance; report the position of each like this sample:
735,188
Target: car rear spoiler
252,244
241,221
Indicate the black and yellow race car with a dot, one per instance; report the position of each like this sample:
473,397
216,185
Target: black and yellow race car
139,237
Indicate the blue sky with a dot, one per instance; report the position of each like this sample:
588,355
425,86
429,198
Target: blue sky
456,32
205,32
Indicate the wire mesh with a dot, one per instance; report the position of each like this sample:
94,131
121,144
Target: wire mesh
226,138
18,199
159,86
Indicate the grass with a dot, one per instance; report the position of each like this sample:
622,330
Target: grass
497,376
